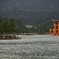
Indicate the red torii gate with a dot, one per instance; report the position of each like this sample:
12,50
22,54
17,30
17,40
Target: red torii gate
55,29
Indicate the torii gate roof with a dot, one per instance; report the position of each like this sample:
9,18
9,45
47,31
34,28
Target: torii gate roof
55,20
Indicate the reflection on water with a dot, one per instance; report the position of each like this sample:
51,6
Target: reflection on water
30,47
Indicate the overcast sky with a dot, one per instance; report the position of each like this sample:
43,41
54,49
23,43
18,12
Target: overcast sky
28,5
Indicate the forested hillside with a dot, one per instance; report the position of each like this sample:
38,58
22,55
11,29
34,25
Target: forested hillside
9,24
38,13
33,17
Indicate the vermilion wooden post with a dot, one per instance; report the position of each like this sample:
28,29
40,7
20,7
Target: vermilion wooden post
54,29
58,28
50,31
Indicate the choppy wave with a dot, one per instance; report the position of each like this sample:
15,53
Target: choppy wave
30,47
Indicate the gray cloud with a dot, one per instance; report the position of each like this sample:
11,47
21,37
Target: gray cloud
28,4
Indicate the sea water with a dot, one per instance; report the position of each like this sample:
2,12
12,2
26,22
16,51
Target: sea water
30,47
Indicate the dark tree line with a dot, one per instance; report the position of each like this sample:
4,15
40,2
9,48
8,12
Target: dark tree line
7,26
10,25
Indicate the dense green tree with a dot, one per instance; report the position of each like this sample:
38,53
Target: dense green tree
20,26
33,29
42,28
9,26
1,26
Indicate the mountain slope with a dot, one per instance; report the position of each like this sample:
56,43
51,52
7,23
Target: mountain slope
32,17
30,11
